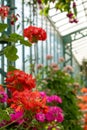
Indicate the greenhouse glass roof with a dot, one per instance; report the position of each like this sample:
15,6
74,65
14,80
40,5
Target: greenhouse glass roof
77,31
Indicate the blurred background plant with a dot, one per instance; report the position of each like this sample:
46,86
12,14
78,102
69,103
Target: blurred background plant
56,80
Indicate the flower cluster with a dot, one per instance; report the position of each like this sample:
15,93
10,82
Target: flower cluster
34,34
68,68
54,112
4,10
71,15
28,100
19,80
30,108
58,81
4,13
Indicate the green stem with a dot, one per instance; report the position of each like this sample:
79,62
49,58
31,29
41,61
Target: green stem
9,124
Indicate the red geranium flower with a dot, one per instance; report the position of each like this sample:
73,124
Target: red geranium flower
4,10
34,34
28,100
19,80
1,88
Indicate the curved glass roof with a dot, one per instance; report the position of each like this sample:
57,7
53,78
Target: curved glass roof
77,31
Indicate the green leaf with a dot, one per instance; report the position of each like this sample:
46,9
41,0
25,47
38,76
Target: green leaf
45,1
11,68
45,11
4,115
16,37
3,27
11,53
18,26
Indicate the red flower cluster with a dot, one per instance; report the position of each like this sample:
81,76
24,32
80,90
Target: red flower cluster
19,80
28,100
23,98
34,34
4,11
1,88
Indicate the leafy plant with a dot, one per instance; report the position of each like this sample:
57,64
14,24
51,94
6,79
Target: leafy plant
57,81
28,108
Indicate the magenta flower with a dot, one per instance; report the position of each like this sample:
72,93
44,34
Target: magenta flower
74,4
60,117
43,94
40,117
3,97
70,15
54,98
49,117
17,117
54,114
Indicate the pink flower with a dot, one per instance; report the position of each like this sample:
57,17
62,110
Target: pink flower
60,117
54,98
43,94
17,117
68,68
39,66
54,65
54,114
61,59
56,68
40,117
3,97
49,57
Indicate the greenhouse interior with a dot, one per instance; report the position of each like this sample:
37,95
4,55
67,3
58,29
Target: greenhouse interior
43,65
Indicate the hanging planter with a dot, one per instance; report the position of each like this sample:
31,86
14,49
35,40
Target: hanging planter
68,6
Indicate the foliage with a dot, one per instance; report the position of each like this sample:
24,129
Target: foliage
68,6
10,51
59,81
